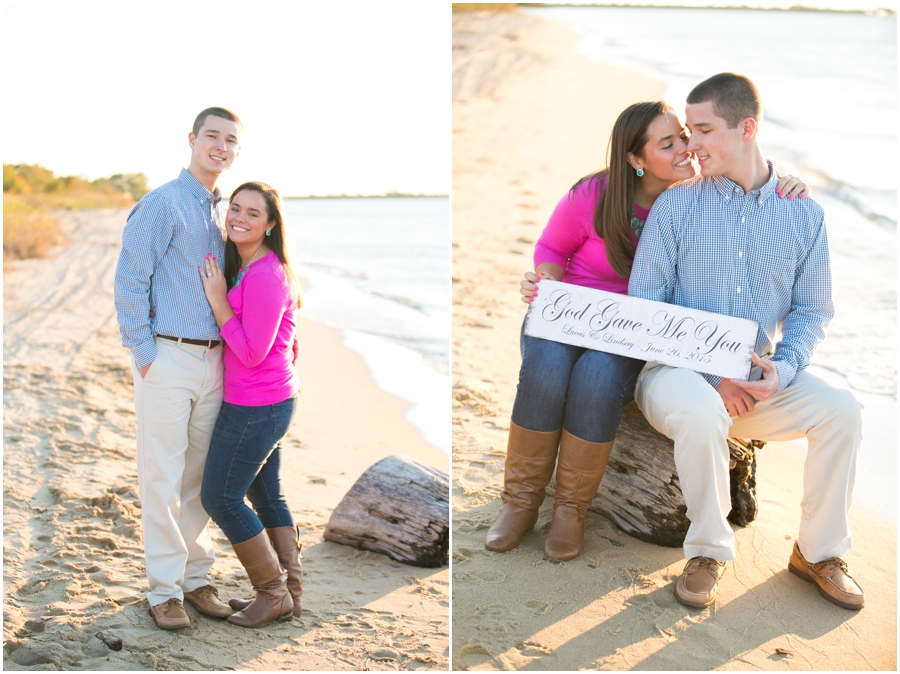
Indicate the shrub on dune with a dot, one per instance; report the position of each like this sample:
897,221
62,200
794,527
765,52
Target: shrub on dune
28,230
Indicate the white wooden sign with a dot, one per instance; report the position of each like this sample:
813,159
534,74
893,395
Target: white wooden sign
644,329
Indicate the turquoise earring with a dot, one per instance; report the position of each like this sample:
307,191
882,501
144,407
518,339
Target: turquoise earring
640,172
268,232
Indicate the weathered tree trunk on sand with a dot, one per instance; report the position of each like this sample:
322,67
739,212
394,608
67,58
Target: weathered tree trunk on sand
400,508
641,493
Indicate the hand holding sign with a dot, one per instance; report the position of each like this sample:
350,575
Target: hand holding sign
529,286
765,387
737,401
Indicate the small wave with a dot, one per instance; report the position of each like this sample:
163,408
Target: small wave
433,351
405,301
335,271
849,194
820,180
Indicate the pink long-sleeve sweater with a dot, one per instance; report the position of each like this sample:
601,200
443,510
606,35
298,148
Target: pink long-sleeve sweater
258,354
570,240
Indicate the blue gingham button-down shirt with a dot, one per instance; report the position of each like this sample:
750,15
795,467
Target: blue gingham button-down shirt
708,245
167,235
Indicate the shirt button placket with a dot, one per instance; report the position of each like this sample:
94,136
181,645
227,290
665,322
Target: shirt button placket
744,236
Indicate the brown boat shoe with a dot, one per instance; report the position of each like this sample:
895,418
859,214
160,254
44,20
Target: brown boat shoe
170,615
831,578
206,600
698,582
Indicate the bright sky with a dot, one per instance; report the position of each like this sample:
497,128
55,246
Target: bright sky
858,5
335,97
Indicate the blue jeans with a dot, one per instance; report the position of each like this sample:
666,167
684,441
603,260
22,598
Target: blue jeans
581,390
244,460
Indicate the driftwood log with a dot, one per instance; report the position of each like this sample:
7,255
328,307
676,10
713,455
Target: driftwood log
400,508
641,493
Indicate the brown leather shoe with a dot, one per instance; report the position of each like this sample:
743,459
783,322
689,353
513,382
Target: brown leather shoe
578,475
206,600
530,457
831,578
170,615
698,583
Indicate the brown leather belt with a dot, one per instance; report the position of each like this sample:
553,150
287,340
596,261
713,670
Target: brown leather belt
208,343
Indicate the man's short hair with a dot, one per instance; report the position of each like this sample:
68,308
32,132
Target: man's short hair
734,97
216,112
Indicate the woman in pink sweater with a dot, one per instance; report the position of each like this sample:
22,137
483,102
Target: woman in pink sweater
253,300
569,399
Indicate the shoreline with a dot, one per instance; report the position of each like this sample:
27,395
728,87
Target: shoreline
785,142
380,356
386,304
73,561
530,116
360,344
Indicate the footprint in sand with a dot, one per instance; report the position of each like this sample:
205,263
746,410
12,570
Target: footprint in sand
38,585
461,555
21,654
485,576
533,648
475,655
538,607
34,626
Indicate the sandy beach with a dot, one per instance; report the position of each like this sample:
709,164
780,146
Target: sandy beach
531,116
72,550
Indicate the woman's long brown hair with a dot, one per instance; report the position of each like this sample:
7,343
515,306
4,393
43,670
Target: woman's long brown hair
612,217
276,242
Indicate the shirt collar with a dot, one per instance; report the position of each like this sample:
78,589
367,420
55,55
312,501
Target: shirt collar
197,190
728,188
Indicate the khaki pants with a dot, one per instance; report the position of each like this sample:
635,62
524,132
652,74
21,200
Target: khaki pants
177,405
682,405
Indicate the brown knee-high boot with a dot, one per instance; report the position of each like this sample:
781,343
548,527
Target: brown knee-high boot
286,541
530,456
578,475
270,582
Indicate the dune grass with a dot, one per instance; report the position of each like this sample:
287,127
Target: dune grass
31,194
79,200
30,226
28,230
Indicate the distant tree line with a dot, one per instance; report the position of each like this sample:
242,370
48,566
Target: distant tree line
35,179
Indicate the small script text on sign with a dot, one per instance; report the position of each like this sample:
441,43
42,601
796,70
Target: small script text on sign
637,328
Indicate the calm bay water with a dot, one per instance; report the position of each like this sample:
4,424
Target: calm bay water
379,271
828,80
829,87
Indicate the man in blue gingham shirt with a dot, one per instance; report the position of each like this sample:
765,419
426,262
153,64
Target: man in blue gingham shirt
722,242
167,235
170,329
744,255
